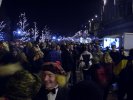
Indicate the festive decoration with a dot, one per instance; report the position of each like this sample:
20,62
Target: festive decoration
42,38
22,22
46,34
2,25
2,34
34,32
23,33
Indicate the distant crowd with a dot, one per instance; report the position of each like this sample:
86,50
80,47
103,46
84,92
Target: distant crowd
64,71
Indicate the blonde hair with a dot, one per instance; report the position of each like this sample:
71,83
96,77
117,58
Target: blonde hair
107,58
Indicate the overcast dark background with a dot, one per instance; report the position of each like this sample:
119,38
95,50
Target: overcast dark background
62,16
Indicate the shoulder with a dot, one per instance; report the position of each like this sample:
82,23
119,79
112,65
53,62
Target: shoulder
64,89
40,95
63,94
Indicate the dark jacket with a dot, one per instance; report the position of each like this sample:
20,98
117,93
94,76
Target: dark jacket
67,60
62,94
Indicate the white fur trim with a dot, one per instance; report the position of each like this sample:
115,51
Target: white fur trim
10,69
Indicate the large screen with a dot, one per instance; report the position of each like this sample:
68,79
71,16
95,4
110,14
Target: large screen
108,42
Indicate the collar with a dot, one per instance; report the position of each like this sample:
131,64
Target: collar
53,91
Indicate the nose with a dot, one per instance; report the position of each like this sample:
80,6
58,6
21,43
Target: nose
45,77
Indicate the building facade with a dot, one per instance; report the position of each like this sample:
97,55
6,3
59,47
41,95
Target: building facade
116,17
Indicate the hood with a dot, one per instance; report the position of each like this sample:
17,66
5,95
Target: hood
10,69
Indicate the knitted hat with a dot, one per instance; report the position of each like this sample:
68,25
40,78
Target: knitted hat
53,67
22,85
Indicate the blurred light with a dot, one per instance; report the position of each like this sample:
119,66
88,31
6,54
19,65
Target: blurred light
104,2
19,32
86,41
0,2
53,37
89,21
59,39
114,2
81,40
89,40
92,19
96,16
72,39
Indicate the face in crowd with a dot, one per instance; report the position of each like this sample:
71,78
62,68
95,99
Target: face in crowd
49,80
113,47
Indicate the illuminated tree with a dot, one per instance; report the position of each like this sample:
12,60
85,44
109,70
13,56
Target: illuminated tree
2,26
45,34
23,32
34,32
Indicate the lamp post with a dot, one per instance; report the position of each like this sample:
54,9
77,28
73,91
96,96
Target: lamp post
93,23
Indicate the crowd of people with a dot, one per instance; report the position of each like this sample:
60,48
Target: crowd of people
64,71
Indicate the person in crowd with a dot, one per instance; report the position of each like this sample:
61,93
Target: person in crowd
97,73
123,54
108,65
42,46
67,61
98,52
22,86
6,46
58,49
36,59
22,58
38,54
3,47
85,62
15,82
107,49
125,80
75,56
28,50
53,55
53,84
115,55
86,90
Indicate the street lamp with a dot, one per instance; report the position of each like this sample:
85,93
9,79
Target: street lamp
96,16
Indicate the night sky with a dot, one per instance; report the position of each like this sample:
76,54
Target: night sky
62,16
